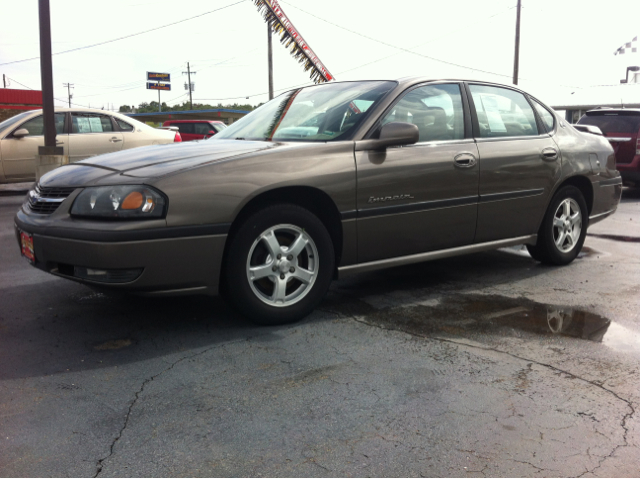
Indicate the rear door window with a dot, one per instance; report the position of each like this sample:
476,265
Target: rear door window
203,128
502,112
90,123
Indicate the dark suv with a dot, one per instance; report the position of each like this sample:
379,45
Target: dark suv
622,128
196,129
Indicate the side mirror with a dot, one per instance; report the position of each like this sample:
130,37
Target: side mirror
392,134
211,133
21,133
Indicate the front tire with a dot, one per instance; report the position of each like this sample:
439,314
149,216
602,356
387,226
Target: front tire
280,264
563,228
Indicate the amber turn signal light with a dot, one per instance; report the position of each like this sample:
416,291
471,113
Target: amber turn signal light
133,201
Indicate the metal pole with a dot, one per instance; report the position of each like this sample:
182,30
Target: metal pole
516,60
270,61
46,75
4,80
189,77
68,85
159,106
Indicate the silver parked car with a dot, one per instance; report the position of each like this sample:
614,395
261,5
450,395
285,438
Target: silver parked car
322,182
81,132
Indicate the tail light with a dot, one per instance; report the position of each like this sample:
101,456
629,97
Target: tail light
177,138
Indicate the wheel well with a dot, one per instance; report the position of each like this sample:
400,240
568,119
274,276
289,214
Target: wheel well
585,187
312,199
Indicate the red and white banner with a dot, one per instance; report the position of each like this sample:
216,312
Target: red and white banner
280,23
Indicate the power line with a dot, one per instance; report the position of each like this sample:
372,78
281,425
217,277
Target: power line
415,53
128,36
395,46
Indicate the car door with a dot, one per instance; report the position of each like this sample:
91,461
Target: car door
92,134
420,197
19,154
519,163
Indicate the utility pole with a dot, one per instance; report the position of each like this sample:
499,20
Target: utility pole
188,73
68,85
516,59
4,80
46,78
270,62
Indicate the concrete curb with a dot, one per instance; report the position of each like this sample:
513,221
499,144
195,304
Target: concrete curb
15,189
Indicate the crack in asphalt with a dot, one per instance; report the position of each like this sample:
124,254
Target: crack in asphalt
623,422
99,464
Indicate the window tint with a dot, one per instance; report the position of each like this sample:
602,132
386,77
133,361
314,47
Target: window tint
185,127
435,109
124,125
90,123
203,128
547,117
36,125
613,122
502,112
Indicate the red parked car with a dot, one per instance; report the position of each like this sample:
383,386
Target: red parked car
621,126
196,129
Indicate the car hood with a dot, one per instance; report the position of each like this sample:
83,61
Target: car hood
131,166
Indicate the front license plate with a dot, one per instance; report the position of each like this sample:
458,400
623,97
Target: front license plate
26,242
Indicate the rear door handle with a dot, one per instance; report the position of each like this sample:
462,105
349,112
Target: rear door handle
549,154
464,160
115,140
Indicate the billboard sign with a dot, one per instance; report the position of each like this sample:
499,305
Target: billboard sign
154,76
158,86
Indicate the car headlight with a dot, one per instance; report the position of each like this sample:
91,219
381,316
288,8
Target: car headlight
120,202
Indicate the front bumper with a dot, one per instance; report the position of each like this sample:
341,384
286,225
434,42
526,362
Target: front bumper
169,266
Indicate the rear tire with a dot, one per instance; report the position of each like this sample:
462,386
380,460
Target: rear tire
563,228
280,264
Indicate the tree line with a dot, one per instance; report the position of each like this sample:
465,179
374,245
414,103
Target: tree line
152,107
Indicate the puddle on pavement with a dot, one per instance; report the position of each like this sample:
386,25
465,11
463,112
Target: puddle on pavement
627,239
466,315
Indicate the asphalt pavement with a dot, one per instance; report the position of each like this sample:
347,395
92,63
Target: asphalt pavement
484,365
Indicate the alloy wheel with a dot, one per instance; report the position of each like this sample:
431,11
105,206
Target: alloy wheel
282,265
567,225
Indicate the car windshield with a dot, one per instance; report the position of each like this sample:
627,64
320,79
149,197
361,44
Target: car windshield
13,120
613,122
317,113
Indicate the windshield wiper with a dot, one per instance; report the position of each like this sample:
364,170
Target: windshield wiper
239,138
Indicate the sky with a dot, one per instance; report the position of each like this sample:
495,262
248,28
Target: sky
566,46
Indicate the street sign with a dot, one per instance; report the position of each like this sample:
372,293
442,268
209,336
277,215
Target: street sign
154,76
158,86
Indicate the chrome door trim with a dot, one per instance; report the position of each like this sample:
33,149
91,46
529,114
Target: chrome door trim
431,255
415,207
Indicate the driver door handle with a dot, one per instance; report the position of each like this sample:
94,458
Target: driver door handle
464,160
115,140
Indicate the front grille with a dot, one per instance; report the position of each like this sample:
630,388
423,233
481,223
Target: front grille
45,201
